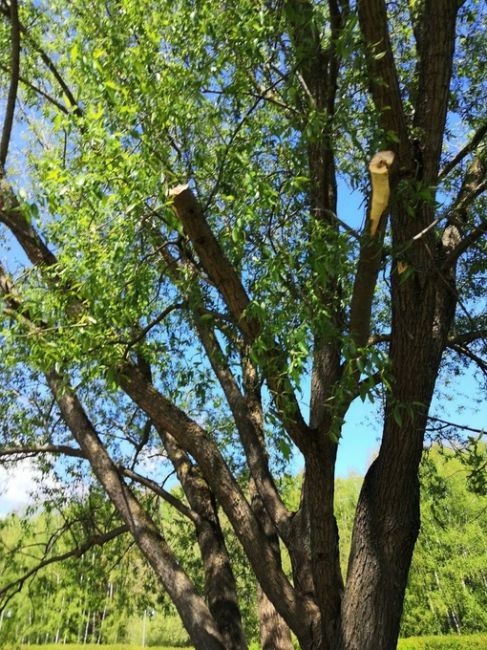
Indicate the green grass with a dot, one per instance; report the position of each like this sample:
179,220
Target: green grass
470,642
452,642
89,646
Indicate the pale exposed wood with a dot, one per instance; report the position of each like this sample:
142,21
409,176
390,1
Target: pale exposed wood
371,247
379,168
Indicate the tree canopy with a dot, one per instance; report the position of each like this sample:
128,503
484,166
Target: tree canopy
179,266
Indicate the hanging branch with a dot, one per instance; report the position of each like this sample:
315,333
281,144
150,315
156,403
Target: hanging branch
97,540
14,83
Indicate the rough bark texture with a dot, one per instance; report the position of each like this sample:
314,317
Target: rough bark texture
220,586
274,631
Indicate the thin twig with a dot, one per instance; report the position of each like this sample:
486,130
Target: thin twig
97,540
455,425
39,91
470,146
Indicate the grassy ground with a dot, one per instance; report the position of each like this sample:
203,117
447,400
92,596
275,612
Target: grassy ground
468,642
92,646
471,642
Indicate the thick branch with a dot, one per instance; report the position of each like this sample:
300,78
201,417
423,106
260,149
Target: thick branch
11,214
313,62
382,75
222,273
467,337
249,424
14,82
213,258
435,69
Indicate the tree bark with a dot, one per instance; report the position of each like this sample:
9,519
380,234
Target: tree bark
387,518
194,613
274,632
220,586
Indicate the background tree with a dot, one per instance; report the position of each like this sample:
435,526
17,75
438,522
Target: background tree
184,271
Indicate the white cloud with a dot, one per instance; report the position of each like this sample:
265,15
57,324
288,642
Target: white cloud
17,482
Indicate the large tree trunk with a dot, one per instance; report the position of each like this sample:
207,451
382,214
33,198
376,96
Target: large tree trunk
387,518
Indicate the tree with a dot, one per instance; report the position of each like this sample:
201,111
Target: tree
185,269
447,573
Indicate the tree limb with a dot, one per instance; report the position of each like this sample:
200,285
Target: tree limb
14,82
463,350
48,62
176,503
468,148
458,339
474,184
383,79
249,424
12,215
27,451
467,337
465,243
222,273
39,91
32,450
435,69
97,540
455,425
370,249
155,321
